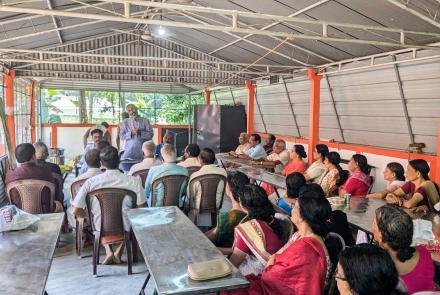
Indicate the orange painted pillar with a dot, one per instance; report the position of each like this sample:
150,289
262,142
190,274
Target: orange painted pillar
436,176
250,106
315,98
9,110
159,134
207,96
31,93
54,139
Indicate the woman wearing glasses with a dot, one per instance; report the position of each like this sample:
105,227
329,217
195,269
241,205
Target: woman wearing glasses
366,270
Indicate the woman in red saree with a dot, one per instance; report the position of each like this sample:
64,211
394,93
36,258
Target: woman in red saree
300,267
256,239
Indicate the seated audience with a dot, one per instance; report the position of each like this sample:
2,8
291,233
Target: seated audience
255,150
148,149
41,154
316,172
297,163
393,231
223,234
191,156
28,169
418,192
300,267
259,237
167,139
169,167
243,146
395,178
111,178
366,270
331,180
279,157
96,135
268,145
359,181
294,182
93,163
207,159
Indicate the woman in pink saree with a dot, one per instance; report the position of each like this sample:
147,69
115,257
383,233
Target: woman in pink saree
300,267
359,183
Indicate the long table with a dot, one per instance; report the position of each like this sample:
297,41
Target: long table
169,242
226,158
26,255
276,180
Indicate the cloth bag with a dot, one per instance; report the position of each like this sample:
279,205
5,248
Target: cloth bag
12,218
211,269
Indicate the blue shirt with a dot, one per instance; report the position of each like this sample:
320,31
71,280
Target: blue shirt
133,143
163,170
286,207
256,152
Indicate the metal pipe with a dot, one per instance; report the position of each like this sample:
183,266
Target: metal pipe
291,36
403,100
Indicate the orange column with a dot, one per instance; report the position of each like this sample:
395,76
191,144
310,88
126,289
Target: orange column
207,96
436,176
250,106
9,110
159,134
315,88
31,92
54,139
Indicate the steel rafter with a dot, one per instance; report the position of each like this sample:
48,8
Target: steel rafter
323,36
301,11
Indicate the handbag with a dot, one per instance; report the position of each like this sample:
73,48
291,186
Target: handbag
211,269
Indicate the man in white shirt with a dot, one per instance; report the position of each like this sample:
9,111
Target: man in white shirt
94,165
94,168
255,151
148,149
191,155
279,157
207,159
111,178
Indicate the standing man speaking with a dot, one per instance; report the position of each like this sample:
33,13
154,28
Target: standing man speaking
134,131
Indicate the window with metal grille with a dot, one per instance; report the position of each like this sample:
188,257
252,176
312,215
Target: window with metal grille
22,112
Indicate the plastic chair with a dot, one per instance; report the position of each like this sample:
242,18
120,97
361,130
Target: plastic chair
208,201
286,225
79,220
112,225
32,195
143,175
192,169
174,187
59,186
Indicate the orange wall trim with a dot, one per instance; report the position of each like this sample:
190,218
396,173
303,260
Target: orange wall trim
315,89
113,126
250,106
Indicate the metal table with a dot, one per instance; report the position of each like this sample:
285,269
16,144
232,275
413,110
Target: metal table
169,242
225,157
26,255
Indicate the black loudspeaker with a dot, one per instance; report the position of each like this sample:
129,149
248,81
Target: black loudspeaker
218,127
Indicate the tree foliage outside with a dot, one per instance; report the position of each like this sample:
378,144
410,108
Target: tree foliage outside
163,109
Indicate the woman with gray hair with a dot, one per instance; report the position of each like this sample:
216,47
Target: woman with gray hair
41,154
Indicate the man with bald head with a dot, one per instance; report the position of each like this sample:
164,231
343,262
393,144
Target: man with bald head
134,131
149,160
